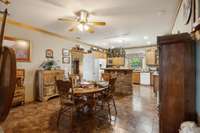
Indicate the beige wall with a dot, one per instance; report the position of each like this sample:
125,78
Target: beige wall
40,42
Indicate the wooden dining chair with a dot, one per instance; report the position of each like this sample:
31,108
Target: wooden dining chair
107,98
74,79
105,76
69,103
66,99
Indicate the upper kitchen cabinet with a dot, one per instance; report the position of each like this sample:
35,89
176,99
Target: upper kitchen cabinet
152,56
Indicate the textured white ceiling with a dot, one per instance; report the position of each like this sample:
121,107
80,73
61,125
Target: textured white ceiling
128,21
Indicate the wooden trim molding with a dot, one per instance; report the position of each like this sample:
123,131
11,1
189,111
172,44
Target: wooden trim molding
198,119
143,46
36,29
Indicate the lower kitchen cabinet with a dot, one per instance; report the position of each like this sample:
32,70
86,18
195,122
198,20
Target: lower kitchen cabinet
136,78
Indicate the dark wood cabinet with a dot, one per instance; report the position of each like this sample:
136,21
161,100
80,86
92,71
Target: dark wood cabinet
177,81
19,95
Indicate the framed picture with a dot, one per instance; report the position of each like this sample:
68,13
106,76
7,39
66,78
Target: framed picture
22,48
49,53
66,60
65,52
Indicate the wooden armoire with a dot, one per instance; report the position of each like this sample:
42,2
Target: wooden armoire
177,81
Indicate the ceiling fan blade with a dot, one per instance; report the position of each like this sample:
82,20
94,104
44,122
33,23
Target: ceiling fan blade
98,23
67,19
90,30
71,29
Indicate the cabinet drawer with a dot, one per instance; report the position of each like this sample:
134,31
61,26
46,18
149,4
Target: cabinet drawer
50,90
19,91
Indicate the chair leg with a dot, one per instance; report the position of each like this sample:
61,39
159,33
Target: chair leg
71,117
114,106
58,119
109,111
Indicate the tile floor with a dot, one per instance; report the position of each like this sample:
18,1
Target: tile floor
136,114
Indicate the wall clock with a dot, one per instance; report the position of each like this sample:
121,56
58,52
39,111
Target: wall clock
187,11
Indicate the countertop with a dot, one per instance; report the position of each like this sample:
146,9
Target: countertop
118,69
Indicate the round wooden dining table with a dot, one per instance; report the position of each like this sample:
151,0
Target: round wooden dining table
87,90
90,94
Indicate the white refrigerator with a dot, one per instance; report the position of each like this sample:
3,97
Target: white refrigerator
92,67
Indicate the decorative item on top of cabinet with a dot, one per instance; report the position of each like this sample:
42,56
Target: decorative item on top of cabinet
19,95
151,56
99,54
177,81
46,83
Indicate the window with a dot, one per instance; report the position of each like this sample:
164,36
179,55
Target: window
136,63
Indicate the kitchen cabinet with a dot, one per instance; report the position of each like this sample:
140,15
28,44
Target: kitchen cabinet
151,56
136,78
116,61
177,81
101,55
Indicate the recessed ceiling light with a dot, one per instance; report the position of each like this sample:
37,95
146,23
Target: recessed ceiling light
120,41
146,37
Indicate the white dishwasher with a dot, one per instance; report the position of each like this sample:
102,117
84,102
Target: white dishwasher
145,78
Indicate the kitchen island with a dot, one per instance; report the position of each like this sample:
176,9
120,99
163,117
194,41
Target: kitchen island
123,84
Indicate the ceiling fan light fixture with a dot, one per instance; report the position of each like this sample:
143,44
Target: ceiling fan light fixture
80,27
83,27
86,27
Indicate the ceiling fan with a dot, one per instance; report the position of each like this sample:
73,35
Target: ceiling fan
81,22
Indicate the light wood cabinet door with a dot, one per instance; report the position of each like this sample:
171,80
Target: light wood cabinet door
136,78
151,56
118,61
